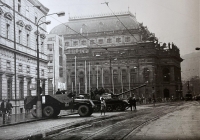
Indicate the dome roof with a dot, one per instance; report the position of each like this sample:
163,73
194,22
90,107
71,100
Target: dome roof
98,23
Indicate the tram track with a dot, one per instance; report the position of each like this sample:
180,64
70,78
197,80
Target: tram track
147,115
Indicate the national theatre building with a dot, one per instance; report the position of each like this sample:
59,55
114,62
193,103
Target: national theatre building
116,52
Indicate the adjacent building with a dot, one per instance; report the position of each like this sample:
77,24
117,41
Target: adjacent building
118,55
56,63
18,44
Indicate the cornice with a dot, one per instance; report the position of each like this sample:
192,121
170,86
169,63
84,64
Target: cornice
22,53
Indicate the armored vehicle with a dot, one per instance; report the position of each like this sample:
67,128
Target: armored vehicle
53,104
113,102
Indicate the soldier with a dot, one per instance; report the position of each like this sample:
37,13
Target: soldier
103,105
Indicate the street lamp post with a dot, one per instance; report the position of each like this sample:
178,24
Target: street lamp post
39,103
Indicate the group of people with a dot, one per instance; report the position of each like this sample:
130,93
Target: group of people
6,108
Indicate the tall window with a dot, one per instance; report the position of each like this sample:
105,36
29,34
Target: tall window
42,72
7,31
50,58
91,42
50,47
20,67
66,43
127,39
83,42
75,43
100,41
19,6
27,39
0,87
42,46
8,65
36,18
21,89
109,40
28,69
61,72
28,88
19,37
118,40
9,88
27,11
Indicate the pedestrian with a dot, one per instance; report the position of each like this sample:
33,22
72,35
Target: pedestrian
134,102
154,99
130,101
58,92
4,108
103,105
9,107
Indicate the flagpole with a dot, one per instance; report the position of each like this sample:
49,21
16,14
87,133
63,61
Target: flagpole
89,77
75,74
129,82
112,82
72,86
97,77
85,79
102,78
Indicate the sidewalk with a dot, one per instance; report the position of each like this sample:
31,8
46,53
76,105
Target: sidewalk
14,119
25,118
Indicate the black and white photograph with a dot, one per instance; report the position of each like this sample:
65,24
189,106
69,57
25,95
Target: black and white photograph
99,69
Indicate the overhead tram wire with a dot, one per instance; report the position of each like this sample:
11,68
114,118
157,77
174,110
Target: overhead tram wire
120,21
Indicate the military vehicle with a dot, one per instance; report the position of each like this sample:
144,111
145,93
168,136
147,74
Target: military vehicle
53,104
113,102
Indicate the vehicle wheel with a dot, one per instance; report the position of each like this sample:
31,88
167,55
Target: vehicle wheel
56,113
33,112
83,110
97,108
91,111
109,108
118,107
48,111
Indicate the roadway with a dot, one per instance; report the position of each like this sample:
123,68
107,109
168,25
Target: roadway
164,121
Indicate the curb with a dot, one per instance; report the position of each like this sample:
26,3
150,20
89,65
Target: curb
32,120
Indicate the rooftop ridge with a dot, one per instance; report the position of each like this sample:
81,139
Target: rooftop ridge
102,15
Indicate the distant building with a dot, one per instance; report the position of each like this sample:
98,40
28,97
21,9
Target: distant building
101,52
18,57
56,63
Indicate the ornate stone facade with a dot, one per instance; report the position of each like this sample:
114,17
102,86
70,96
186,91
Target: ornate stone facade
18,61
101,52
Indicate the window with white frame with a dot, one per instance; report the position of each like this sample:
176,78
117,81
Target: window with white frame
92,42
19,36
109,40
27,11
83,42
36,18
50,69
20,68
100,41
8,65
75,43
19,6
27,39
66,43
42,46
7,31
118,40
28,69
50,47
42,72
127,39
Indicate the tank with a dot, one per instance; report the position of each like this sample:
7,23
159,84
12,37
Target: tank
113,102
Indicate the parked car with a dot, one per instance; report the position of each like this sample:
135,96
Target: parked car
197,97
188,97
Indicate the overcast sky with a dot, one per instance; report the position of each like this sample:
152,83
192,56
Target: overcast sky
171,20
